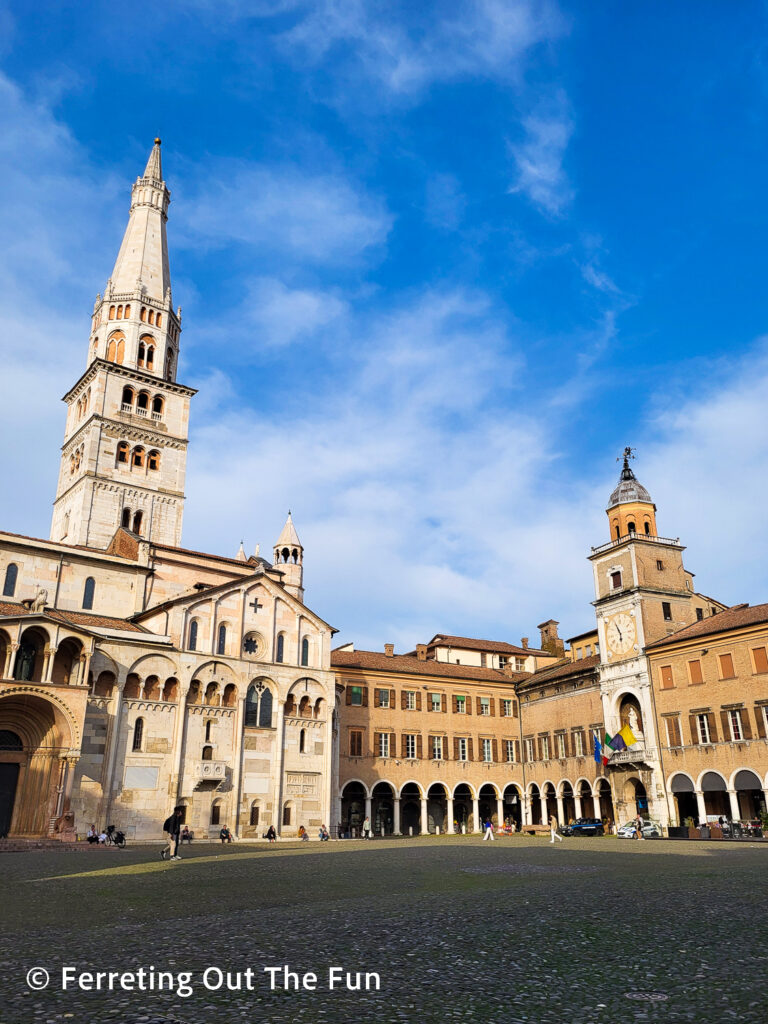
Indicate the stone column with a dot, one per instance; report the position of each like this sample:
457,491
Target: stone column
237,774
396,822
596,806
702,805
48,660
10,654
577,806
544,816
733,797
68,784
475,814
525,810
277,802
451,830
113,742
368,810
561,811
499,811
424,818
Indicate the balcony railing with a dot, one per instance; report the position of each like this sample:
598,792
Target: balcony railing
210,771
634,536
633,755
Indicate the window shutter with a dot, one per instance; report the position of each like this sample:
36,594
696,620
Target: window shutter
403,700
479,706
537,748
455,705
365,697
419,753
377,698
495,750
515,712
726,726
392,699
403,746
713,727
393,744
746,726
446,749
469,749
760,719
694,725
565,744
468,704
444,703
677,740
492,706
349,695
376,747
517,750
761,659
455,748
418,700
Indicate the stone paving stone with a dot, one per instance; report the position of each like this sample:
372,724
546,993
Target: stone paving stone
515,931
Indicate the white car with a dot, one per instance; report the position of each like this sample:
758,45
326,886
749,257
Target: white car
651,830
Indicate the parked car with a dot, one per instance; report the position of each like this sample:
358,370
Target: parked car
651,830
584,827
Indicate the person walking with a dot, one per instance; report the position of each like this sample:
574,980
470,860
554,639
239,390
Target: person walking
367,828
172,826
553,827
639,828
488,826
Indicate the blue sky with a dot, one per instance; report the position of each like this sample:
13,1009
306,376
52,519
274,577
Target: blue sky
438,262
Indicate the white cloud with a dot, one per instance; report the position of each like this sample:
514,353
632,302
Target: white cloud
319,218
420,496
405,48
539,157
279,315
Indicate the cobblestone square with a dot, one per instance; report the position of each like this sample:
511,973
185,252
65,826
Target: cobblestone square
515,930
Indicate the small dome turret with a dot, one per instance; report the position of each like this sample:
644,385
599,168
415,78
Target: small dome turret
630,510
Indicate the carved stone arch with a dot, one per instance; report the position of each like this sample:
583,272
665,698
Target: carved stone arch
73,737
154,664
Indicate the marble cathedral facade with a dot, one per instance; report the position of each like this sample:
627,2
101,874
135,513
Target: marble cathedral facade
135,674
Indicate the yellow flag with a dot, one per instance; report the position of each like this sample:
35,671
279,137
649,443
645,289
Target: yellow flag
628,736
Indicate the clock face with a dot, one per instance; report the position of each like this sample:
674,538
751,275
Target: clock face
620,633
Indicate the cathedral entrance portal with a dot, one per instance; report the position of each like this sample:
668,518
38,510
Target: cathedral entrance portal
34,738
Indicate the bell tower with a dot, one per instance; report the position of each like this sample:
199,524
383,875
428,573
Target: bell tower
123,461
642,593
289,558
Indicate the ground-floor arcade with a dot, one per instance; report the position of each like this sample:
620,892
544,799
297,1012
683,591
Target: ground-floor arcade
742,796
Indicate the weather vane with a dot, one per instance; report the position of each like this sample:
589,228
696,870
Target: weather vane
626,455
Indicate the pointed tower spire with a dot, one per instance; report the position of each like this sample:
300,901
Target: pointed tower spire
142,263
288,558
154,168
241,555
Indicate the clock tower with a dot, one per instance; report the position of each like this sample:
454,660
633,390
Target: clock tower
642,593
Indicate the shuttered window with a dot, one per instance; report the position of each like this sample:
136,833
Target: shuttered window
726,666
355,743
761,659
694,672
667,682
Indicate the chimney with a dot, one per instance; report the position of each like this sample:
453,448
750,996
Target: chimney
524,643
421,652
550,641
389,650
